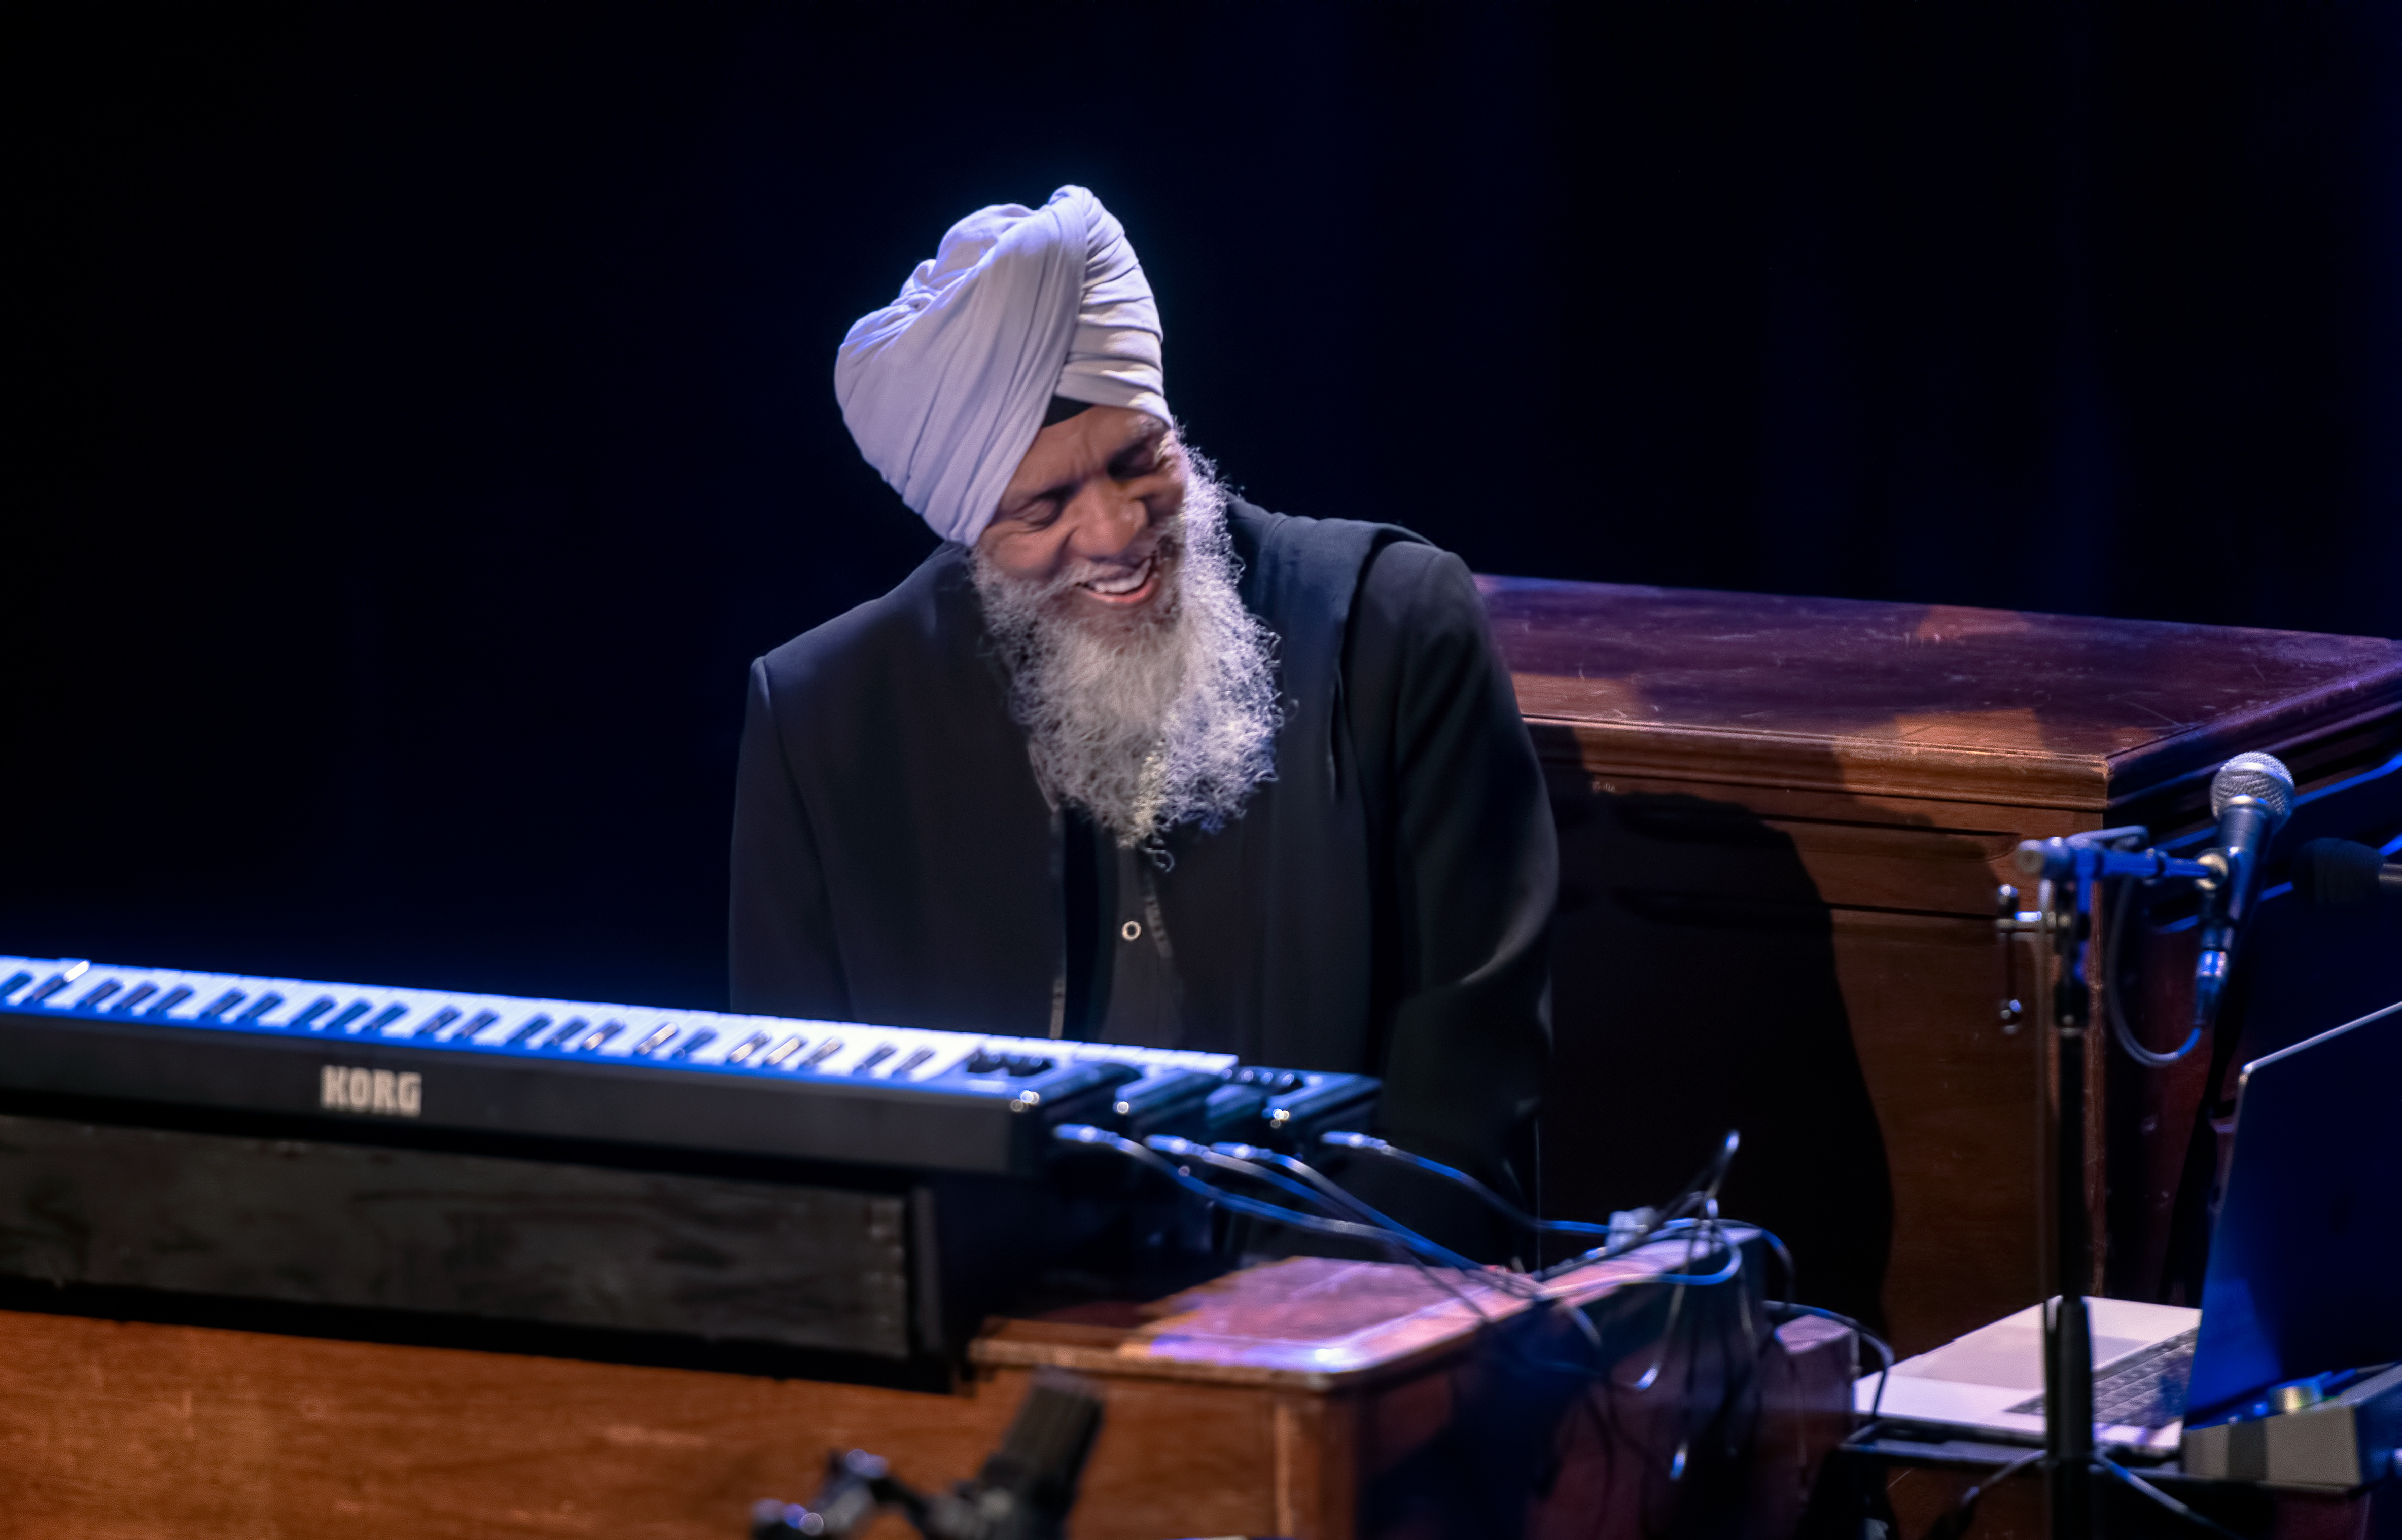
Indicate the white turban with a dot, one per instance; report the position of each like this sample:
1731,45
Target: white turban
944,389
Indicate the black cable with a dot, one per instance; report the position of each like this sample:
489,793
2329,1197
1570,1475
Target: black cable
1703,1189
1263,1165
1224,1159
1084,1133
1710,1176
1177,1148
2119,1028
1883,1348
1954,1521
1247,1159
1243,1155
1511,1283
2165,1500
1370,1143
1406,1243
1252,1162
1708,1225
1784,1258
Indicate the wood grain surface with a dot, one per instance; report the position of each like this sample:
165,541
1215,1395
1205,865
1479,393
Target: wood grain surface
115,1430
127,1430
1783,822
1984,704
1315,1324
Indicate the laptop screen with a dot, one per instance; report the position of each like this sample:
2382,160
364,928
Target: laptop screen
2305,1272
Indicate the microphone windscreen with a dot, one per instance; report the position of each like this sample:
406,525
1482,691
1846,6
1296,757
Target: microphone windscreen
1042,1455
2252,774
2338,873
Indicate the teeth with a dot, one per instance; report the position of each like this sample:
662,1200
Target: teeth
1126,584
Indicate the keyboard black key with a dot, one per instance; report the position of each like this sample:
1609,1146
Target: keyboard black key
439,1058
16,982
258,1007
47,988
533,1024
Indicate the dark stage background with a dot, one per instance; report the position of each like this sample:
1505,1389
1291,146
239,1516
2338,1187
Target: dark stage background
426,413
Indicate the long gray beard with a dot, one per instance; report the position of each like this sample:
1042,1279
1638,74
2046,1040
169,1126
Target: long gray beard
1167,716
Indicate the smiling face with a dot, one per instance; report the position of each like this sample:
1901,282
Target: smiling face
1109,585
1089,517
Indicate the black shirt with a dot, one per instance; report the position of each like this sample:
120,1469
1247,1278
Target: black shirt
1381,906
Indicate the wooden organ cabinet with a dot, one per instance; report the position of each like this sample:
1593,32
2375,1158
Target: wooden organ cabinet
1783,823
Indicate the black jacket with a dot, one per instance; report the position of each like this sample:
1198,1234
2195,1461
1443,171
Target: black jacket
1380,906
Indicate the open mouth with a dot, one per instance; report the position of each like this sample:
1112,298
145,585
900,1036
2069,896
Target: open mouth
1132,586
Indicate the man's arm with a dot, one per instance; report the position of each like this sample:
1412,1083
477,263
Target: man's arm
784,960
1474,864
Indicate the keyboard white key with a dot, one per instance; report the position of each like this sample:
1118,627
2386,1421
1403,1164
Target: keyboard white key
385,1013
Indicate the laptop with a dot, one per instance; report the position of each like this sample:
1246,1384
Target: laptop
2303,1276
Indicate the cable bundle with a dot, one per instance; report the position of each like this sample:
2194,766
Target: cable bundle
1694,1214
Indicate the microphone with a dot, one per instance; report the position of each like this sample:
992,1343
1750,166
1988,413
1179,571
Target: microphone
1023,1492
1028,1485
2344,874
2250,796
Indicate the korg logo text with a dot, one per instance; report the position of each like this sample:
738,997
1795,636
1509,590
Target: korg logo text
341,1090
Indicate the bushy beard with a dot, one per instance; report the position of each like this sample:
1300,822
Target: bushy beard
1164,716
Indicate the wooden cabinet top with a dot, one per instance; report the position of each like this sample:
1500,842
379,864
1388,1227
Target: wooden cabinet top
1923,700
1308,1323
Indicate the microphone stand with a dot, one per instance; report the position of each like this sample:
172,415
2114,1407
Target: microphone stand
2075,869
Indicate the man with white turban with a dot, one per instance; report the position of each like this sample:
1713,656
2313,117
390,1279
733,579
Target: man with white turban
1128,759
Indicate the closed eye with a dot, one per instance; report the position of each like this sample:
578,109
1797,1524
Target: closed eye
1140,457
1038,511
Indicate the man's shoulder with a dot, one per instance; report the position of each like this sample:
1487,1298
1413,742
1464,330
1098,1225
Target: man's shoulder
1319,563
1423,600
1318,540
1400,592
902,630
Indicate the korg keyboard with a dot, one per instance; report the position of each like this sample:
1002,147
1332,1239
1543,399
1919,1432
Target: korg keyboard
686,1175
563,1069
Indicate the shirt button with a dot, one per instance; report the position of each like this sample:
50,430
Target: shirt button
1131,930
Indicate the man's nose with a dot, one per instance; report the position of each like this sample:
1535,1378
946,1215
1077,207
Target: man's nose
1105,521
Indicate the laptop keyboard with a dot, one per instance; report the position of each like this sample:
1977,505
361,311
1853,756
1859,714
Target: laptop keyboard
2147,1391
